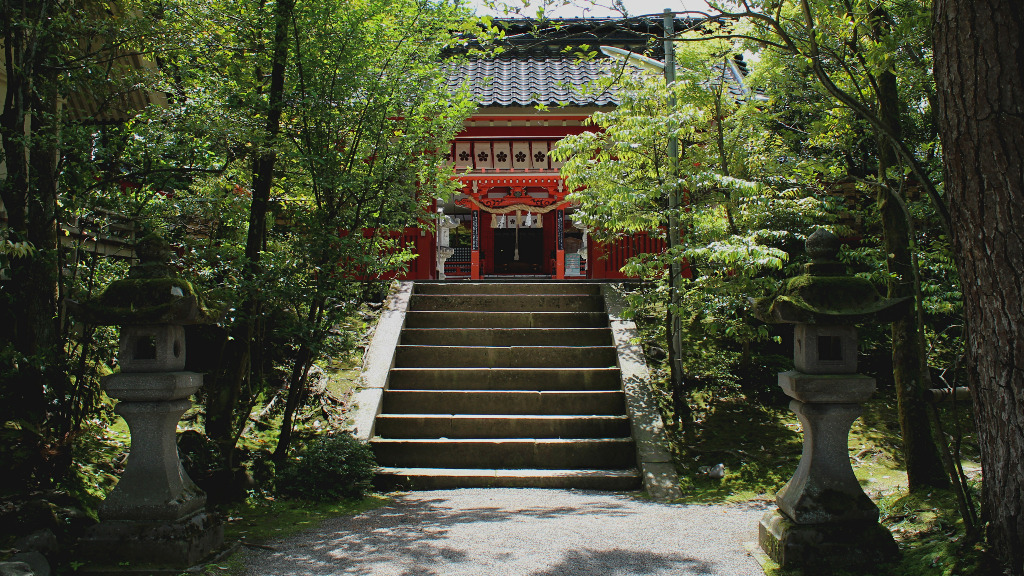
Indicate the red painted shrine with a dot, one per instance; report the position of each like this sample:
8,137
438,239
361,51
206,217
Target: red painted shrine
512,218
513,207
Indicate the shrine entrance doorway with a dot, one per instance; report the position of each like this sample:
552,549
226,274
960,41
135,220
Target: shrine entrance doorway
530,248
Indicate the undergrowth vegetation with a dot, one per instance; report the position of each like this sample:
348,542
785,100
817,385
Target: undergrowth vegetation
326,472
332,467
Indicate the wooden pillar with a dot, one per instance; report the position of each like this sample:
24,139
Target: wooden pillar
559,244
475,257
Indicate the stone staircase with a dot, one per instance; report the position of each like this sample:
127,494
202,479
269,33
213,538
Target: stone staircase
505,384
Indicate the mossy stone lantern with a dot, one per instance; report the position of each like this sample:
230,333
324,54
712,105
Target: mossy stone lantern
823,516
155,518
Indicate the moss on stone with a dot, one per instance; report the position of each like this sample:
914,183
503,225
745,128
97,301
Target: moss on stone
135,301
810,299
832,294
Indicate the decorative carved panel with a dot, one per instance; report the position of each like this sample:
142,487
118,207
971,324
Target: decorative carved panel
540,154
502,155
463,155
482,155
521,156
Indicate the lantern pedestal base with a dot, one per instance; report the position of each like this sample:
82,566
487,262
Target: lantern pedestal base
123,547
848,544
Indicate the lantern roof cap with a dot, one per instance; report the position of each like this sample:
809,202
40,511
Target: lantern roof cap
826,294
152,294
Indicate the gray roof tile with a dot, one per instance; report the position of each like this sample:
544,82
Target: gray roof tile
551,81
531,81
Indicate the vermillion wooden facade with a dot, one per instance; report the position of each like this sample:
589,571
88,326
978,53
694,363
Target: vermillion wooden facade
512,218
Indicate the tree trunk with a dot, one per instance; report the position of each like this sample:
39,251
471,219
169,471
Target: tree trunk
909,362
296,393
224,396
979,72
298,383
31,347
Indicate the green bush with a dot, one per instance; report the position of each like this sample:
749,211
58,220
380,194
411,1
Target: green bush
329,468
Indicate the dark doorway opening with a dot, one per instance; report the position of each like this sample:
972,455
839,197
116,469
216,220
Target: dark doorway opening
531,251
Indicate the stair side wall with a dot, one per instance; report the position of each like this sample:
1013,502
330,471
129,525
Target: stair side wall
659,473
379,359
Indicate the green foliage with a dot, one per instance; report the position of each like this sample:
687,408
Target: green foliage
819,66
69,73
358,140
743,213
328,468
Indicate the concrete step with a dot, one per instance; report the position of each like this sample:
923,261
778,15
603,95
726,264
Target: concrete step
507,336
505,356
452,319
509,384
604,402
507,302
599,453
504,379
390,478
508,288
500,426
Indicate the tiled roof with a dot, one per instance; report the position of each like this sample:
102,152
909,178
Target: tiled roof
531,81
537,68
555,81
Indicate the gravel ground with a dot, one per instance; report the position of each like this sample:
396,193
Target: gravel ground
514,532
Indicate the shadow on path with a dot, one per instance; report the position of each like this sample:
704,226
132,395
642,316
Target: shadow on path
509,533
624,562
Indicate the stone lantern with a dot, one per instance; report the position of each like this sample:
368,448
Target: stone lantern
583,245
445,224
155,518
823,516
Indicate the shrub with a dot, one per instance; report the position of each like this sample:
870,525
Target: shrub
329,468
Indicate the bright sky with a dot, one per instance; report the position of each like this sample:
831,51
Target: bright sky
578,8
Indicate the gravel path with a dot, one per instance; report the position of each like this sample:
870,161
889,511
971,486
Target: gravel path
519,532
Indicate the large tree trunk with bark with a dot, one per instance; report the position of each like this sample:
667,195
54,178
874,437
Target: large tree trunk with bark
979,72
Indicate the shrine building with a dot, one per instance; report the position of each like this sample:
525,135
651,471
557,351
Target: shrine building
512,219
